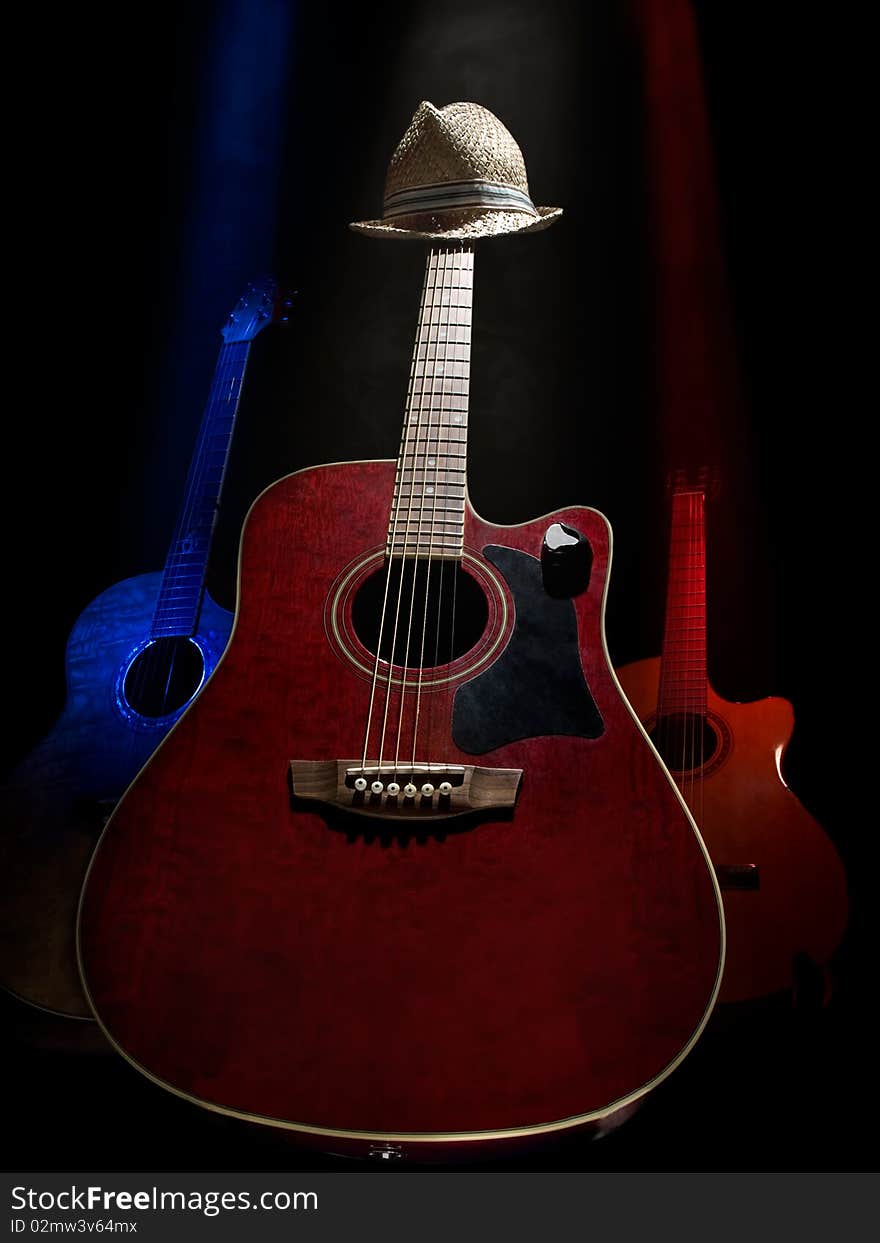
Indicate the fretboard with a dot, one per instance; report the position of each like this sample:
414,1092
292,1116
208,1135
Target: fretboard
183,580
683,664
427,513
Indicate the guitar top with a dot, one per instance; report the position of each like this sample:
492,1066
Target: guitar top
407,872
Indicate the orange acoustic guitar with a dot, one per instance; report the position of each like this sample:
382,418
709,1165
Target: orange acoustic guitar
783,883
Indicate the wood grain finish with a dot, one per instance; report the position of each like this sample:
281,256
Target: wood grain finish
56,801
537,970
747,815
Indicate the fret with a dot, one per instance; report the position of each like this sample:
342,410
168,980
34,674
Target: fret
425,496
430,439
428,351
433,399
175,615
424,547
425,522
428,502
431,554
433,452
431,420
683,682
439,509
429,487
436,382
407,478
452,352
434,375
446,534
425,537
427,474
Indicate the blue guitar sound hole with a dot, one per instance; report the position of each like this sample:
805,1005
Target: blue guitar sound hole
163,677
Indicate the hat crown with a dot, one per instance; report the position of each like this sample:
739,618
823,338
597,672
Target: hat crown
461,142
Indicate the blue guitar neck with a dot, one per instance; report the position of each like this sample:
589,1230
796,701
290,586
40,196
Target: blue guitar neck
183,578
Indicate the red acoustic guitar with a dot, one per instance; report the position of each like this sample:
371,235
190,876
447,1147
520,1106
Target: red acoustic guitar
408,878
783,882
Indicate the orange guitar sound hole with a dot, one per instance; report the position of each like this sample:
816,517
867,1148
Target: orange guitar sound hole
434,612
689,741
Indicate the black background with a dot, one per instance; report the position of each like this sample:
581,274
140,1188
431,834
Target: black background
99,433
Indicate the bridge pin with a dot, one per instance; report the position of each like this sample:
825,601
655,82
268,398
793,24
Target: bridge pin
360,784
377,787
393,789
410,790
445,788
427,789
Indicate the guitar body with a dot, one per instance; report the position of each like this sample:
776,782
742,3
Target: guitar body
421,984
56,801
748,816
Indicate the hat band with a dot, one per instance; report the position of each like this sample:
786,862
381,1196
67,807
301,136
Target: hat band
448,194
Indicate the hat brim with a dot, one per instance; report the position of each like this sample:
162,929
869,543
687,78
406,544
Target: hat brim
464,224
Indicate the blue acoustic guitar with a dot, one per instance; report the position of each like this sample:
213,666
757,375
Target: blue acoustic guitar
136,657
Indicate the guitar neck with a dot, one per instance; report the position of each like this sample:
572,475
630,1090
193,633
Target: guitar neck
183,578
683,662
427,514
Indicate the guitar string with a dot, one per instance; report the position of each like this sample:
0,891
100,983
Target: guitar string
686,680
395,505
673,697
704,672
406,544
465,360
436,328
664,729
441,369
691,697
697,739
682,657
454,287
414,470
445,752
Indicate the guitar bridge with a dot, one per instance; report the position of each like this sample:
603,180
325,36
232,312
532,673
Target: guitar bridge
420,791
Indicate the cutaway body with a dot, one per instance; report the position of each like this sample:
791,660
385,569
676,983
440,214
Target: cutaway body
56,801
420,980
786,894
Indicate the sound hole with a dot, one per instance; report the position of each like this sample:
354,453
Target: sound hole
163,677
686,740
437,596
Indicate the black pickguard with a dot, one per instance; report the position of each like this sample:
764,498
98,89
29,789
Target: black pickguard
537,685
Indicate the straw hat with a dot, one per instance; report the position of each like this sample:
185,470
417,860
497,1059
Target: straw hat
457,173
